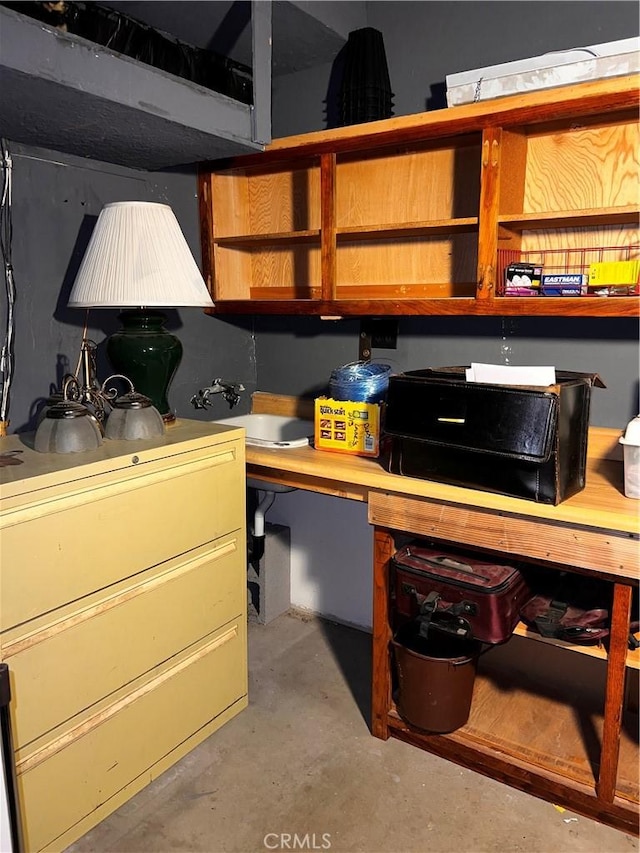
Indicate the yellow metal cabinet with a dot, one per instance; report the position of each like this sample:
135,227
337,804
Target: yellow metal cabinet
122,616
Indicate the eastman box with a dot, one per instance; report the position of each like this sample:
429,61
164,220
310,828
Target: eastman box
524,441
347,427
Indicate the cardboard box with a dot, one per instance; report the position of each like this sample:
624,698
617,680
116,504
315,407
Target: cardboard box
559,68
607,273
522,277
563,290
564,284
347,427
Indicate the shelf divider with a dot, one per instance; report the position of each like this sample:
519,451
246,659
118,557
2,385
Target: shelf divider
328,224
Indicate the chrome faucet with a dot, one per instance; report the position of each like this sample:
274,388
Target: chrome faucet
230,392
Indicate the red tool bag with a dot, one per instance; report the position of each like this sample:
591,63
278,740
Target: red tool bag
457,592
569,607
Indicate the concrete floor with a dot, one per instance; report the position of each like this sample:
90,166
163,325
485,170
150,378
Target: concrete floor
300,760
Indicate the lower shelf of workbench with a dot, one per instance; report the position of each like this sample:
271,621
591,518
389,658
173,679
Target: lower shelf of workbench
535,729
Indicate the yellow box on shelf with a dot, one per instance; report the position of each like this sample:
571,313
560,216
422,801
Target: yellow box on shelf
347,426
614,272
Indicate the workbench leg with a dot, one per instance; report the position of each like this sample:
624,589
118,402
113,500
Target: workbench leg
383,546
614,697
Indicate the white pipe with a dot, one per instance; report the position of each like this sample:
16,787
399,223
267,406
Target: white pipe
261,511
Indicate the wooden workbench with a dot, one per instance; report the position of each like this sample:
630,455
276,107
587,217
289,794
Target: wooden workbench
573,750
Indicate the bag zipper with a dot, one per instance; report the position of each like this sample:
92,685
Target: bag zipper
453,581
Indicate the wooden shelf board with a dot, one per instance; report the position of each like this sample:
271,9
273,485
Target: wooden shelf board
259,240
407,229
482,758
363,232
485,741
265,306
595,651
310,293
277,302
579,306
347,292
602,96
627,215
519,717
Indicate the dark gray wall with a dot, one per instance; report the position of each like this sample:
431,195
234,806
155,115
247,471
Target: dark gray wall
56,201
57,198
296,356
425,41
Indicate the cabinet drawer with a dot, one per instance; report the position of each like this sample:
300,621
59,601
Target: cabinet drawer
63,546
72,776
74,659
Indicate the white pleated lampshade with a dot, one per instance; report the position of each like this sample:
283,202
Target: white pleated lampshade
138,257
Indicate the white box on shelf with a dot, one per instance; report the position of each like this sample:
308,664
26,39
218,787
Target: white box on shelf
559,68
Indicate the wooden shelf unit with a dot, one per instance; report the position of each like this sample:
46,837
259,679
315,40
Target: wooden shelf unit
410,215
572,738
575,744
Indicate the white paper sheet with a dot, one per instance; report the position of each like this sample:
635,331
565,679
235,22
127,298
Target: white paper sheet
506,374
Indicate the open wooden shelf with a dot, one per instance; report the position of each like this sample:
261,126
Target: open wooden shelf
408,229
409,215
551,723
626,215
493,755
291,294
432,291
597,650
501,306
546,720
259,240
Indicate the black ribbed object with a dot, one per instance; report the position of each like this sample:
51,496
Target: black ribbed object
366,93
126,35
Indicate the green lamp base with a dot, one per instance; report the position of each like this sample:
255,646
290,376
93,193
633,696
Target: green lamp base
147,354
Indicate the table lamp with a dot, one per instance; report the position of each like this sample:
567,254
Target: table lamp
138,259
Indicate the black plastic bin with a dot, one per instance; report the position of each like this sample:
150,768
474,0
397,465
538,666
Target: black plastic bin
436,676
